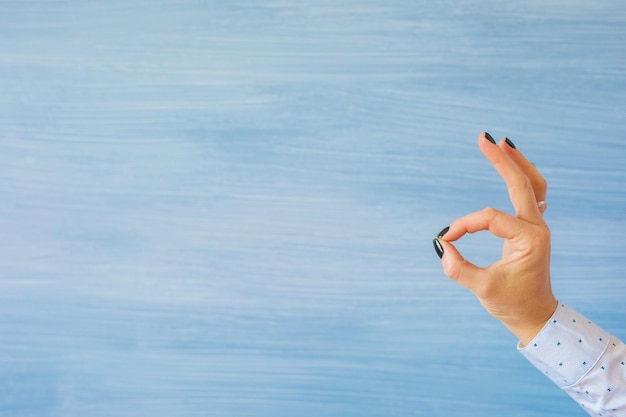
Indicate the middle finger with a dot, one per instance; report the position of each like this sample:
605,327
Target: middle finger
539,184
520,189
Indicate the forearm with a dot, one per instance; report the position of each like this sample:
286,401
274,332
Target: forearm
582,359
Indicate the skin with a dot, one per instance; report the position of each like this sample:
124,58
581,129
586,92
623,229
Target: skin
516,289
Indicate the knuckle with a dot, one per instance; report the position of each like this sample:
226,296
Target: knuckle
490,213
538,237
542,183
522,184
540,186
453,270
543,234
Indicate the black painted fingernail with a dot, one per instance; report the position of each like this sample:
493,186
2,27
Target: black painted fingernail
510,143
443,232
489,138
438,248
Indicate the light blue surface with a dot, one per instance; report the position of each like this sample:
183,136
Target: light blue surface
226,208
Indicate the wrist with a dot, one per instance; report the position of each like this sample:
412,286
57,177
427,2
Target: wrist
527,330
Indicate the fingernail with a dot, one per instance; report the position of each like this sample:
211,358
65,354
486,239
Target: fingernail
438,248
443,232
510,143
489,138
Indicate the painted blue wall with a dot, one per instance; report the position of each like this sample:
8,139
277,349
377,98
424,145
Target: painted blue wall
226,208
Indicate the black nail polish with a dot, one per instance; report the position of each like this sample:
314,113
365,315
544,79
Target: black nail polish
443,232
510,143
438,247
489,138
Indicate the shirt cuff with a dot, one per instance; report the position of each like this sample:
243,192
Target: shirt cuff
567,347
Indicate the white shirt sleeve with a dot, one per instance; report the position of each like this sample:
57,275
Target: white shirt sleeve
583,360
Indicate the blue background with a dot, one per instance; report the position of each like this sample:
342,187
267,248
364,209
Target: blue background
226,208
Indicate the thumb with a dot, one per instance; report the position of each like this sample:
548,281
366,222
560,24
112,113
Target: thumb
456,267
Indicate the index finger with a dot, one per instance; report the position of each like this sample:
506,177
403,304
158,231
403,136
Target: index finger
501,224
520,188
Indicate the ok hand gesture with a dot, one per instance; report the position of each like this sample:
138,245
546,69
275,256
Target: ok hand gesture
516,289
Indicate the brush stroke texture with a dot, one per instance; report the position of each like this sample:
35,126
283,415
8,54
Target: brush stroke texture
226,208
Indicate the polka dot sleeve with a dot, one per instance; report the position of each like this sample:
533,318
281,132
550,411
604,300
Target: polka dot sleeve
583,360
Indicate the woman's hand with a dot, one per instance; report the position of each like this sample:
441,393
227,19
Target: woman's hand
516,289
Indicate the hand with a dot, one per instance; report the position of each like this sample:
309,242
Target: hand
516,289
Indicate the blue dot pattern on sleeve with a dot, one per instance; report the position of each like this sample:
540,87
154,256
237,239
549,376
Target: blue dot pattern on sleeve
583,360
